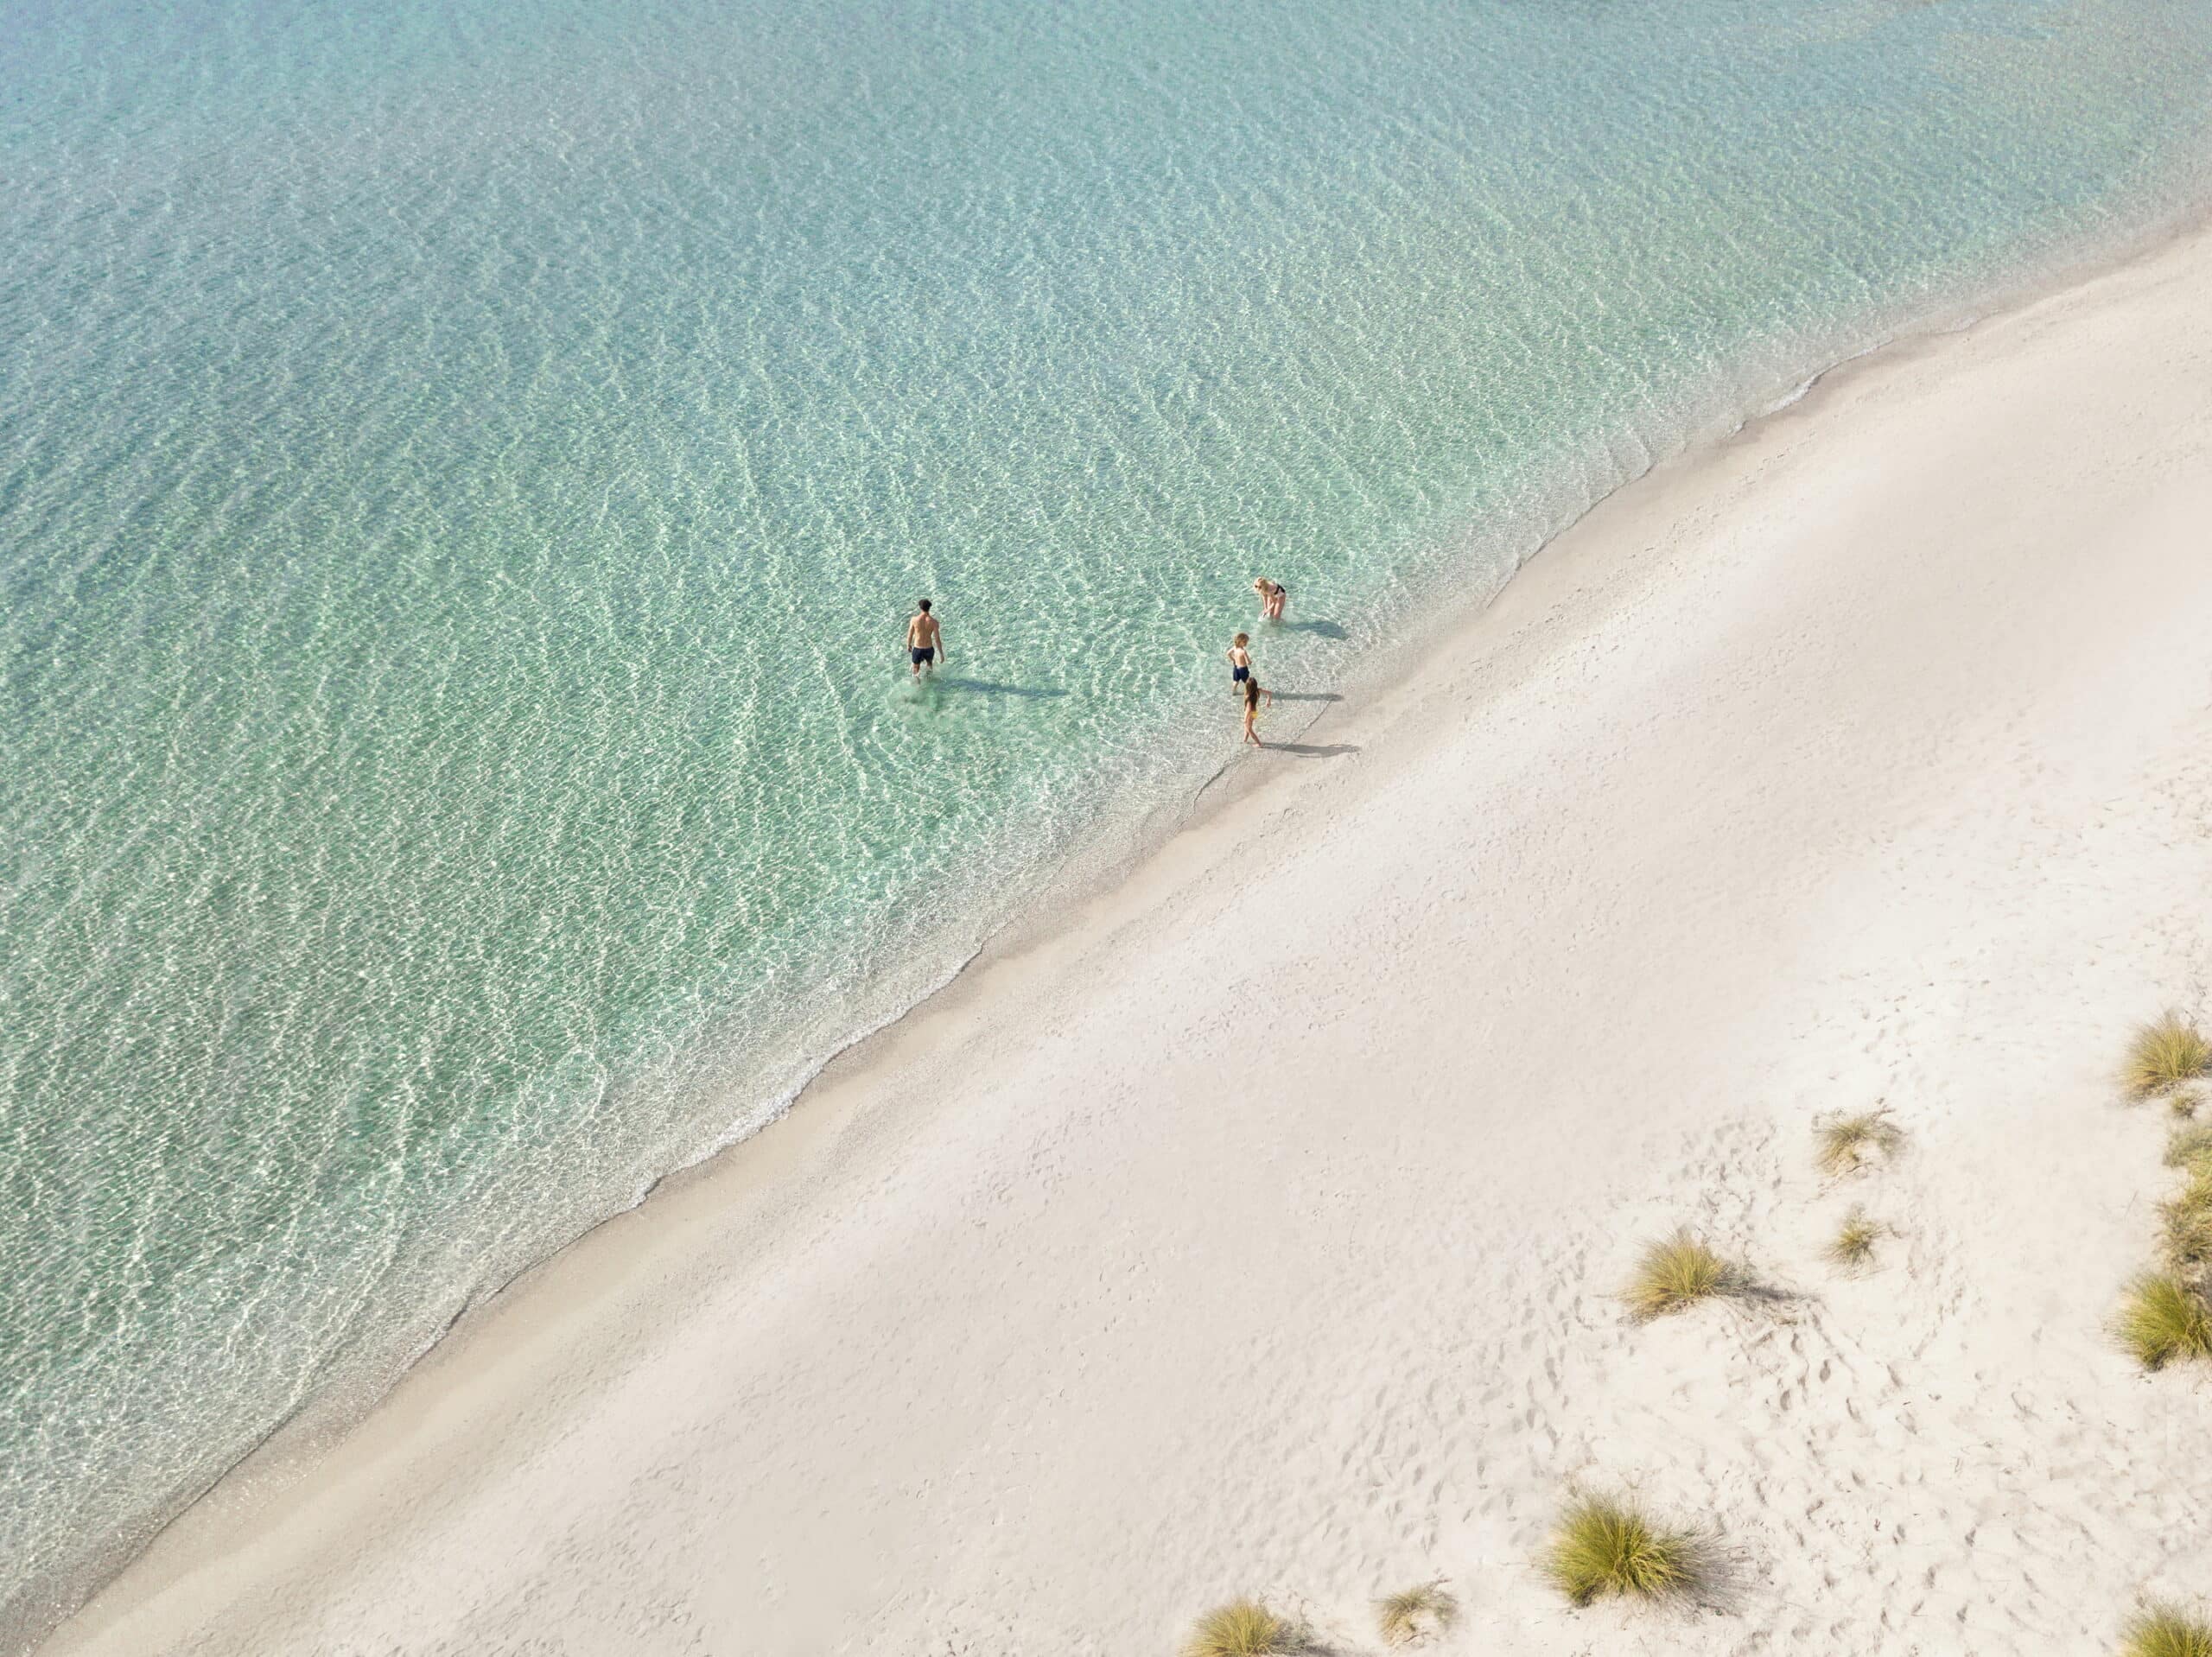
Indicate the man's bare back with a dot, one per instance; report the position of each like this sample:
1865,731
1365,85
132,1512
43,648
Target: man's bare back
924,641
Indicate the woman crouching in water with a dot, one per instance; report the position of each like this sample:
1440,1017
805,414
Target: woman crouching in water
1252,695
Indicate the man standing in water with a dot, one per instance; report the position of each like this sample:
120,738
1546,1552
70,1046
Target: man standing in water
924,641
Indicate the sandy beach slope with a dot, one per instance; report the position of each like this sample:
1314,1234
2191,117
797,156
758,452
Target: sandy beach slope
1257,1227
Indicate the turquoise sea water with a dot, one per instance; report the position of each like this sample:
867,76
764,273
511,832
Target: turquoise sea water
464,470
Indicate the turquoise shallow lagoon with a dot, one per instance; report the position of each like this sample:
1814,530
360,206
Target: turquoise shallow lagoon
464,470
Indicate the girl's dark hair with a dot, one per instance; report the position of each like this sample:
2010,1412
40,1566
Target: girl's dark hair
1251,691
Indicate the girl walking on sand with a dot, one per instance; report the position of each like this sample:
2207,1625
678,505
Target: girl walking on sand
1252,695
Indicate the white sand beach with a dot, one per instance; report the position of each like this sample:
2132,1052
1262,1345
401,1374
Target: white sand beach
1257,1226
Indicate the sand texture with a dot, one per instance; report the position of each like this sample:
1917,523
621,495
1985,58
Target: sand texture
1258,1226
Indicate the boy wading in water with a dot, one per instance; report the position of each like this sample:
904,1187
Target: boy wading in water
1240,662
1252,695
924,641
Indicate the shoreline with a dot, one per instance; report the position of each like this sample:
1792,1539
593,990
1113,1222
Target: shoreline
1389,667
1580,581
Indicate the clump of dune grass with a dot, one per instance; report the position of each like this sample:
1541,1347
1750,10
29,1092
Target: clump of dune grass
2183,1101
2163,1054
1243,1628
2185,1223
2164,1319
1602,1547
1854,1246
1406,1618
2190,1147
1676,1272
1844,1145
2166,1631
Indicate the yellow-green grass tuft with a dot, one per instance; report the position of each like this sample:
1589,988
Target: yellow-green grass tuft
1676,1272
1844,1145
1407,1618
1602,1547
1853,1246
2190,1147
2183,1101
2164,1319
2163,1054
2166,1631
2185,1223
1243,1628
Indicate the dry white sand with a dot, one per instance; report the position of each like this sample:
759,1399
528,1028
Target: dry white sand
1258,1229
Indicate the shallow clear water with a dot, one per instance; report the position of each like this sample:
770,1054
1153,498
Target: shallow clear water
464,470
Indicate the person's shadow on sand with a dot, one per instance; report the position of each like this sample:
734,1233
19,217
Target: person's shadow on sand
1313,750
1320,629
